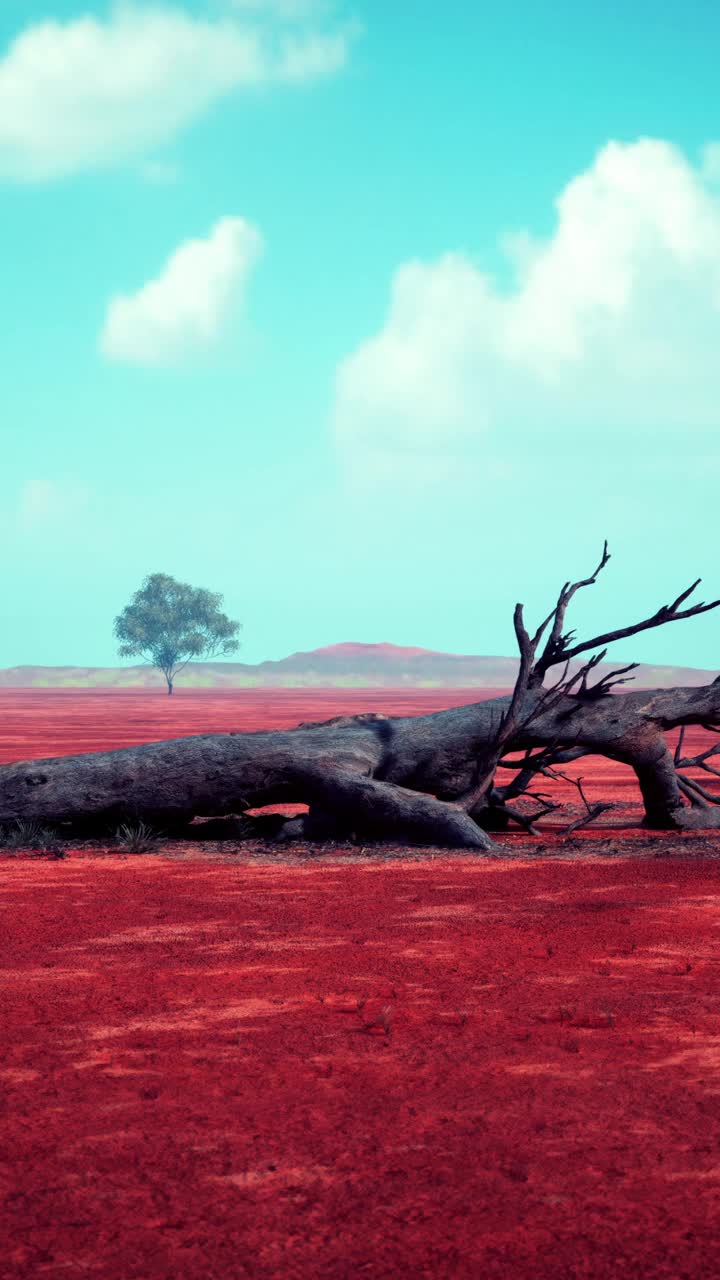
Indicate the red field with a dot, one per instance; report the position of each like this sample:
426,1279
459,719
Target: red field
337,1066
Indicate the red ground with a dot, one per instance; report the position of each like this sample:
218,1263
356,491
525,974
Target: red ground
439,1067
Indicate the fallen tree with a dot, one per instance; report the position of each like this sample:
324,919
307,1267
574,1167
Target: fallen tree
428,779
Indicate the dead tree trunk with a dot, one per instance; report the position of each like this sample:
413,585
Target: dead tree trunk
395,778
420,780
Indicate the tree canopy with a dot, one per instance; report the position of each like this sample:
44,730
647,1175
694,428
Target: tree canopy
168,623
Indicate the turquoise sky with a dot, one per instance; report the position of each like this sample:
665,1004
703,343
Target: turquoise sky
374,317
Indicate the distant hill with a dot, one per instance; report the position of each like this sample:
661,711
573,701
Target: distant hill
338,665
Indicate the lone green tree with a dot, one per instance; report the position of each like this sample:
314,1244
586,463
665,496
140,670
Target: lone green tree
168,623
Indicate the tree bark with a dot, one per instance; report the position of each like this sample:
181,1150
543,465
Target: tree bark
397,778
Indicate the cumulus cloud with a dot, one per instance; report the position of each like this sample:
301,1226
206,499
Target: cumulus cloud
87,94
185,308
615,319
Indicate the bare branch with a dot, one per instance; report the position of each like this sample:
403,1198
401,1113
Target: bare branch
589,817
527,820
696,800
573,690
540,759
556,646
679,747
709,768
666,613
699,760
605,683
711,796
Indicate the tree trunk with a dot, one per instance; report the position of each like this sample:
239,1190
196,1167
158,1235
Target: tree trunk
169,685
374,777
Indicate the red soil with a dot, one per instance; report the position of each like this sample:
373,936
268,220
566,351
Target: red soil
43,722
443,1067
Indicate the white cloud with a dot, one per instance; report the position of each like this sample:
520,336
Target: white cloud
184,308
613,320
88,94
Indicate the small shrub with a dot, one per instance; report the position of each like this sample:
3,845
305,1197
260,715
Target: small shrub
31,836
136,837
